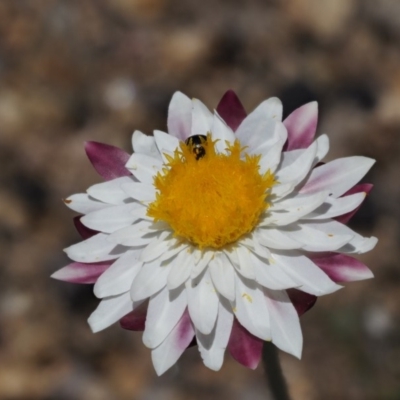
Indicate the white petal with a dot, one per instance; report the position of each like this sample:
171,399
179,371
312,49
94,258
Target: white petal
251,308
150,279
282,190
358,243
174,250
96,248
222,133
270,275
334,207
292,202
259,249
212,347
276,239
272,158
140,191
285,323
250,241
169,351
309,276
318,237
144,167
181,267
84,204
206,257
119,276
244,264
289,157
297,171
109,311
223,275
144,144
201,118
322,148
290,214
166,143
273,109
258,130
180,116
141,213
338,176
157,247
111,219
164,311
203,303
138,234
110,191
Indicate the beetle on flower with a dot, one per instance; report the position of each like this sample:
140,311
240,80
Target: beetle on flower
223,230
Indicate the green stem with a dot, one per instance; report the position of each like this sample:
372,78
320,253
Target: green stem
274,373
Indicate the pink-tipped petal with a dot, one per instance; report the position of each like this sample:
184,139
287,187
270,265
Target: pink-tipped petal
338,176
184,331
165,310
362,187
136,319
244,347
168,352
301,125
343,268
108,161
81,273
85,232
231,110
302,301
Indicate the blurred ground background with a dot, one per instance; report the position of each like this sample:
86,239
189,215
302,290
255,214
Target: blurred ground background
76,70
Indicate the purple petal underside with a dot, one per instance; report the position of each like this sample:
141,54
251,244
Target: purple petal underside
135,320
342,268
108,161
244,347
231,110
302,301
81,272
85,232
184,331
362,187
301,125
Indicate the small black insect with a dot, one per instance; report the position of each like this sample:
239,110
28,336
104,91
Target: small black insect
196,142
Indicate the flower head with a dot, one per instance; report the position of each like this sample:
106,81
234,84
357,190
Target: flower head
194,196
223,230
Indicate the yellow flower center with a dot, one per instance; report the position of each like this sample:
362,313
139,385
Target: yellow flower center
214,200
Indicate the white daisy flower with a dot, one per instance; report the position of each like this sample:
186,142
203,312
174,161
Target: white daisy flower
223,230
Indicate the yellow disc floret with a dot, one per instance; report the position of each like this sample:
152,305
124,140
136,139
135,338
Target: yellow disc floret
214,200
